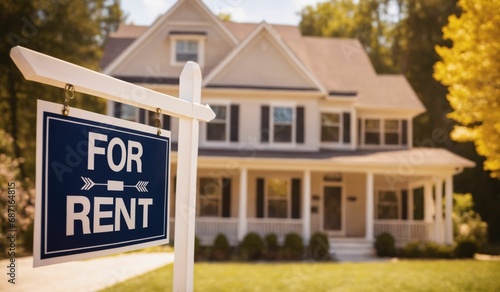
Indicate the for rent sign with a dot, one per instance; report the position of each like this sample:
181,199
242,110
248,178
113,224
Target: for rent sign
102,185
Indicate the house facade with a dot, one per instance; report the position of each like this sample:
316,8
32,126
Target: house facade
307,137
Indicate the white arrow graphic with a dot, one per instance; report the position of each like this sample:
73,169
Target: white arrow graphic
114,185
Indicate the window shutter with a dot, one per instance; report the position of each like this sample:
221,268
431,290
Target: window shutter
295,198
234,123
142,116
346,124
264,124
166,122
226,197
404,204
117,109
404,132
260,198
299,129
359,131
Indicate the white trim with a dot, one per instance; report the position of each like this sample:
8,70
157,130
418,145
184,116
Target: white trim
289,55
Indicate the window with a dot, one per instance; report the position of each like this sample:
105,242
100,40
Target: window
282,124
186,50
418,204
391,132
187,47
277,198
330,127
387,205
209,197
217,128
372,132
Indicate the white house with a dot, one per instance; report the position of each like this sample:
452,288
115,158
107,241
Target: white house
307,136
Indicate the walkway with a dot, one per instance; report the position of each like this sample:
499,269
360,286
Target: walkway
87,275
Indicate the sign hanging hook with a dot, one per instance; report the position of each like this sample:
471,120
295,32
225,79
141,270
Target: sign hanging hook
157,121
69,93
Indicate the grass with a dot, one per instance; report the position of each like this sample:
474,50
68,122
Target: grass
452,275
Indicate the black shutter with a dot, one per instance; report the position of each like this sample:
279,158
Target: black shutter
117,109
234,123
166,122
264,124
404,204
404,132
226,197
142,116
296,198
346,120
359,131
299,130
260,198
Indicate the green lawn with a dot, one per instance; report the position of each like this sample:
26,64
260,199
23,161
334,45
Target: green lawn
452,275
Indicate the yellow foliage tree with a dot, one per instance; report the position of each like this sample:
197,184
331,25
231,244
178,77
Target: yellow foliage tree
471,70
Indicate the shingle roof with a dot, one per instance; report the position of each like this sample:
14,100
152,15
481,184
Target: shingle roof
340,65
425,157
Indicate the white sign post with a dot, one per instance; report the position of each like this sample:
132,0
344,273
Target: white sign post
48,70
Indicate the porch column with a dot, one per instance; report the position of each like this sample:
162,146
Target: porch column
448,224
306,206
438,220
428,202
369,206
428,208
242,212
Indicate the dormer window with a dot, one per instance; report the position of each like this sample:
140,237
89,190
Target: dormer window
187,46
186,50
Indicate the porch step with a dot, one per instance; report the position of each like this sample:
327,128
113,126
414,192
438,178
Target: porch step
351,249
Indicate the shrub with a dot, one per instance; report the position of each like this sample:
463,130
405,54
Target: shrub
221,250
467,224
385,245
271,247
411,250
319,247
466,248
424,249
251,247
293,247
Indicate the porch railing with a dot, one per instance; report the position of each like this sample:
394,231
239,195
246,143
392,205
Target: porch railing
207,229
405,231
280,227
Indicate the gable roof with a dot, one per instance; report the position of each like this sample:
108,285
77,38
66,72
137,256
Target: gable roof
336,66
143,36
274,37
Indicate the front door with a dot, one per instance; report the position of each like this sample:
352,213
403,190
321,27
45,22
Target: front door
332,209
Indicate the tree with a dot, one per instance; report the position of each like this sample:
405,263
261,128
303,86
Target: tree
365,20
471,70
74,31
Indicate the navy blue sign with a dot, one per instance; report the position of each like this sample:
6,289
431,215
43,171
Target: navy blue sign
104,186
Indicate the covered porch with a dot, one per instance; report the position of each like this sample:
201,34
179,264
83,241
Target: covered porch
356,201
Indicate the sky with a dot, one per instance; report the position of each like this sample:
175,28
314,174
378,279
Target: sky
144,12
